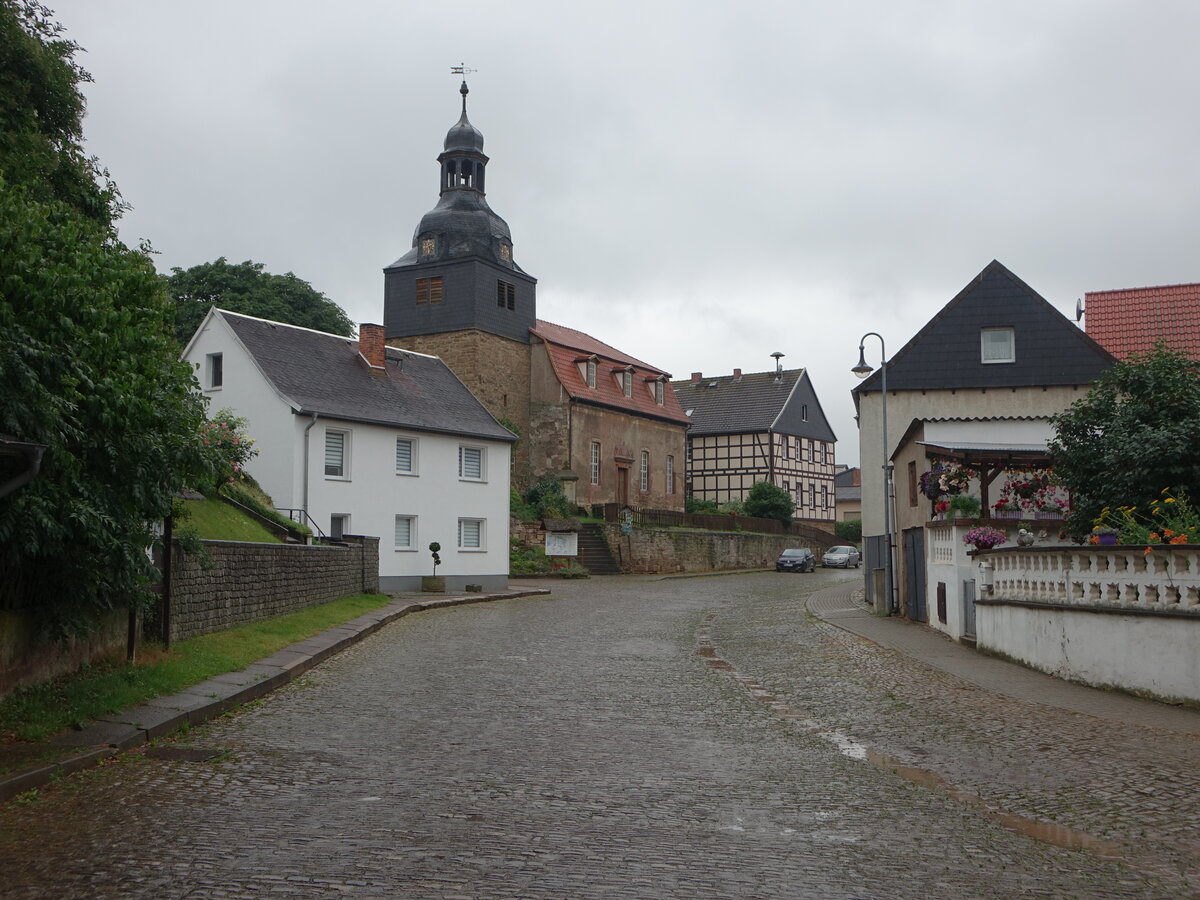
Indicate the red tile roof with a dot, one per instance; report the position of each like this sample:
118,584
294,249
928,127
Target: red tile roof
566,346
1134,320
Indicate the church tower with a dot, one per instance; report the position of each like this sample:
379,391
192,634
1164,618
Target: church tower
458,293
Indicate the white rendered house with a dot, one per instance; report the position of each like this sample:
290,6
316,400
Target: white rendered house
366,439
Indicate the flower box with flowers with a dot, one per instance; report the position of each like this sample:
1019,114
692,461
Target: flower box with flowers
985,537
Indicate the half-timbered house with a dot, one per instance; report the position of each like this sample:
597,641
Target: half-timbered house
762,426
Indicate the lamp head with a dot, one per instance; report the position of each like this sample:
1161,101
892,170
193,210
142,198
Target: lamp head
862,370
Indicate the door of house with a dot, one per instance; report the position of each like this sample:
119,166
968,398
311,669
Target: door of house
968,610
914,574
623,485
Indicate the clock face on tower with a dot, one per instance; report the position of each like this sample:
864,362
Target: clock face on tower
428,246
505,251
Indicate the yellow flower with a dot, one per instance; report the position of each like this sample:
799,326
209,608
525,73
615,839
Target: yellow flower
1169,500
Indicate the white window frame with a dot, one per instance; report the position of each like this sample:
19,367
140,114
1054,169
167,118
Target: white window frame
345,473
595,467
644,474
659,392
670,473
214,371
481,535
464,450
1006,330
589,373
627,383
411,547
412,456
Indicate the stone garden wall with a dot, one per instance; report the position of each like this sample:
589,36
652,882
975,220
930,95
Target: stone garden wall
244,582
649,551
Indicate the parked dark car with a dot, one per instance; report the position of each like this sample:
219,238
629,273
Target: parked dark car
800,559
841,557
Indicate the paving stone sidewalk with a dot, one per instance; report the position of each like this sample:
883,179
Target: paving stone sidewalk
75,751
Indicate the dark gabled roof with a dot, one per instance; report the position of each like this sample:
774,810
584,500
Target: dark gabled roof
325,374
945,354
756,402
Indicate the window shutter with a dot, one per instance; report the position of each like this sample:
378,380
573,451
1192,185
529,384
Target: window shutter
403,532
404,461
470,462
469,533
335,444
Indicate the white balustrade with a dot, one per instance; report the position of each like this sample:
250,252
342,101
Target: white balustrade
1126,577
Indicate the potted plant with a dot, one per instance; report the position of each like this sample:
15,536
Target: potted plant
434,584
1104,535
985,537
965,506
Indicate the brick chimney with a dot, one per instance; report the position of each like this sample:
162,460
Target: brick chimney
696,377
737,375
857,476
371,344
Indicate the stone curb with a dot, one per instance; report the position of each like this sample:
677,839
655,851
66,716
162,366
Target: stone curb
160,716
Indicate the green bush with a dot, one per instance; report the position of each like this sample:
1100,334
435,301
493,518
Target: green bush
696,505
769,501
547,500
849,531
526,560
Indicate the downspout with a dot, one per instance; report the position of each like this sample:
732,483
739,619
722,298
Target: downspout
304,490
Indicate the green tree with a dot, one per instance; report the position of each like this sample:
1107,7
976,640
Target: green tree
89,365
1134,434
246,288
41,115
768,501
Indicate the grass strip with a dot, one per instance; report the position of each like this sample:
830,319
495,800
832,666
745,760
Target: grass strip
35,712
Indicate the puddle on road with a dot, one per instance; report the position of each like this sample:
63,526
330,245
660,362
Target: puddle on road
1047,832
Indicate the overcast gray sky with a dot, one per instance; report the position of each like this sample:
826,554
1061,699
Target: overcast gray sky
697,183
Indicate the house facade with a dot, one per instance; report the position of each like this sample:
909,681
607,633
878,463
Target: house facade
365,439
847,485
761,426
458,293
610,423
998,351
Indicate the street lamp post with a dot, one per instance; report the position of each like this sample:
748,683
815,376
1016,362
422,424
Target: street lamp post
862,370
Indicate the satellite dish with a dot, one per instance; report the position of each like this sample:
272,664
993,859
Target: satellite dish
1078,309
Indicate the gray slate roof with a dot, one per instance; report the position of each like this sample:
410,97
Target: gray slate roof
324,373
755,403
945,353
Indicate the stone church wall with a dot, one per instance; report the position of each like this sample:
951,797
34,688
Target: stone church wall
494,369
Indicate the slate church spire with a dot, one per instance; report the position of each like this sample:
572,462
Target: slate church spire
439,285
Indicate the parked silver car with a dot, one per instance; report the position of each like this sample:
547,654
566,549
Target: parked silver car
841,558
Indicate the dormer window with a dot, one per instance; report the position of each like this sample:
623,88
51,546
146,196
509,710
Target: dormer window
591,372
627,382
658,392
997,345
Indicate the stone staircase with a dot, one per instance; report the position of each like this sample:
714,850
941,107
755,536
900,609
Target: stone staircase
594,554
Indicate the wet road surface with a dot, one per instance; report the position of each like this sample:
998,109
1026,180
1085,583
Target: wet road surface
626,737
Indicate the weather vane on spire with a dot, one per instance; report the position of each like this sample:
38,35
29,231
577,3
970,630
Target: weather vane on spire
461,69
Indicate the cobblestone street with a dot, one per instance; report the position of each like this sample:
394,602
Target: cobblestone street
628,737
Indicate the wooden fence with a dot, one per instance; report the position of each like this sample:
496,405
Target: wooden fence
668,518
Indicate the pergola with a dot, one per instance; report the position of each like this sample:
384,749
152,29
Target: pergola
989,460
